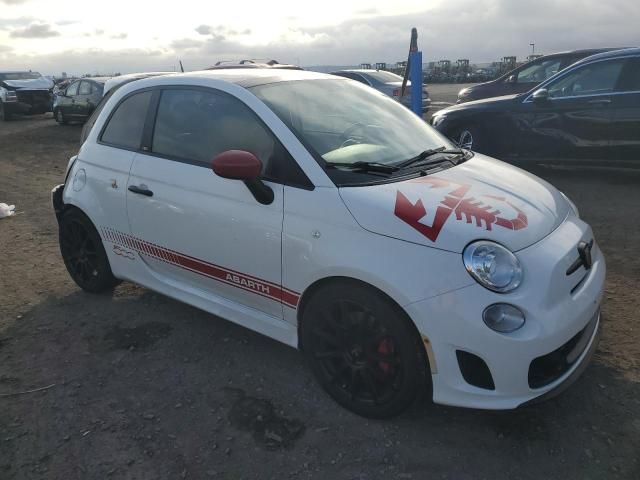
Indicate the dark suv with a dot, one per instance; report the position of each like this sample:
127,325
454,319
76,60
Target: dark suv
526,76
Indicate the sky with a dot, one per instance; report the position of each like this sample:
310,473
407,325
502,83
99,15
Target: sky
140,35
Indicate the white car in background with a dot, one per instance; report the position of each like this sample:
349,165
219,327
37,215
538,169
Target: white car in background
327,216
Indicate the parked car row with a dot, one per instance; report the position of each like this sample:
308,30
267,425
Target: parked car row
590,110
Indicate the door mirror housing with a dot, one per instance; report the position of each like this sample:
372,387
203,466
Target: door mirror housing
512,79
237,165
541,95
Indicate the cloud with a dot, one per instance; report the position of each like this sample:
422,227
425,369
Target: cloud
64,23
15,22
35,30
98,31
119,36
203,29
13,2
186,44
5,49
480,31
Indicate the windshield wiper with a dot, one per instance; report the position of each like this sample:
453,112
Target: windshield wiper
365,166
430,153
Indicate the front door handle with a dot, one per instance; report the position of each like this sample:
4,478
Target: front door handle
600,101
141,191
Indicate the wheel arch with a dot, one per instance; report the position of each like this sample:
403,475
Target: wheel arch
312,289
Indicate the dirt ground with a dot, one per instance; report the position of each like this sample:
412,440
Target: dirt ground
143,387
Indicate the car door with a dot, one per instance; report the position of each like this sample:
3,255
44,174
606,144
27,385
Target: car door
68,101
83,99
576,118
198,230
625,104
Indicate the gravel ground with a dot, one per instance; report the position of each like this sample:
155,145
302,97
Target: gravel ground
138,386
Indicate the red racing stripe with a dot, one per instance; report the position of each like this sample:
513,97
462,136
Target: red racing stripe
234,278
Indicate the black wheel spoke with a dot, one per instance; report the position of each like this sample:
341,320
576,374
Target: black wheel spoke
329,354
371,384
327,337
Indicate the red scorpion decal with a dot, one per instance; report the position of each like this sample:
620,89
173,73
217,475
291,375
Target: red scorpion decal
455,201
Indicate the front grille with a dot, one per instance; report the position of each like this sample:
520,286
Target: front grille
34,97
548,368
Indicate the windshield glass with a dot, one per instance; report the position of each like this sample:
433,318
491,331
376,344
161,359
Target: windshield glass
19,76
382,76
345,122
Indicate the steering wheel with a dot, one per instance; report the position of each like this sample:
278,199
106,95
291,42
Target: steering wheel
346,136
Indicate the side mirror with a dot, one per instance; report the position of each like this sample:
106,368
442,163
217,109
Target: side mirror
541,95
512,79
245,166
237,165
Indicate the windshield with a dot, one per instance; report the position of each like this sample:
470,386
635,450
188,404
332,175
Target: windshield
344,122
19,76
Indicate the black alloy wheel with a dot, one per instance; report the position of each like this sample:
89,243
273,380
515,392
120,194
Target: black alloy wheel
362,350
83,253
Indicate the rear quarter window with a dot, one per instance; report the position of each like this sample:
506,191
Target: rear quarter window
126,124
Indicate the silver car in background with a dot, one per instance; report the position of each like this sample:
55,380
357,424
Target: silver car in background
387,83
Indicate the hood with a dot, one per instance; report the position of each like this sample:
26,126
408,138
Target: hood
482,198
31,84
482,103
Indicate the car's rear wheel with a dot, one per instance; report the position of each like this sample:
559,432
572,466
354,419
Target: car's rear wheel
362,349
4,115
83,253
60,118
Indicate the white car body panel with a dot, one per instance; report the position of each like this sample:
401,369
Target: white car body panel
206,241
482,198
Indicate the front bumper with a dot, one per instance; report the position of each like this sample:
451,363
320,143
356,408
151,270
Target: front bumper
557,309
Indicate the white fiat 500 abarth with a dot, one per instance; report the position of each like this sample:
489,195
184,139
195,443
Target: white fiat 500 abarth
324,214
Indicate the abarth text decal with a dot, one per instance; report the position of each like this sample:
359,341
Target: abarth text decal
215,272
455,201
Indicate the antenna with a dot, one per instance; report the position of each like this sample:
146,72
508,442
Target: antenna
181,67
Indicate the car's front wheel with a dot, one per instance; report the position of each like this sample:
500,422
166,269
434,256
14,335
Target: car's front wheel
362,349
83,253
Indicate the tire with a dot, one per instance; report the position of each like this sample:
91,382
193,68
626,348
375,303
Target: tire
472,138
362,349
60,118
83,253
4,115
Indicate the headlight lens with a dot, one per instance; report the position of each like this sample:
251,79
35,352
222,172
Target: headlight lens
492,266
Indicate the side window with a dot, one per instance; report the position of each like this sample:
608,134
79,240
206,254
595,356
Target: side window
85,88
630,79
95,88
127,122
196,125
592,79
72,90
539,72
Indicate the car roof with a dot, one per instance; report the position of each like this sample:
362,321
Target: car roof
245,77
360,70
94,79
625,52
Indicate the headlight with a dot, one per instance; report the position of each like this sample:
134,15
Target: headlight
463,93
572,205
492,266
12,96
